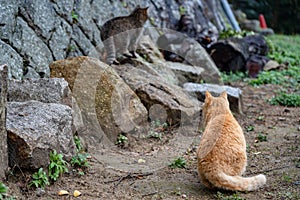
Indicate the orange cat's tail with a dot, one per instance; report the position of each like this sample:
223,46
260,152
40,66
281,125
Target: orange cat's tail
238,183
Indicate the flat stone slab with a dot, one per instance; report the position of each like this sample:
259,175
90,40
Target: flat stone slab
234,94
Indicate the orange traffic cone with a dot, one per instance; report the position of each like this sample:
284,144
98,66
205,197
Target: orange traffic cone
262,21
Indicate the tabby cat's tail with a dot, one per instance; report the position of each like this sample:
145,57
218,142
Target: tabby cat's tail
238,183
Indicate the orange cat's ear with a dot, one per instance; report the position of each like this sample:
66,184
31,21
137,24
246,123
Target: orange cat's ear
207,95
224,94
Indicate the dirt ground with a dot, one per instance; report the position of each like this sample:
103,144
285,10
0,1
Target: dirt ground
278,158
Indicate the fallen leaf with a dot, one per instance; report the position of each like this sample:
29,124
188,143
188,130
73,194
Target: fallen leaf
76,193
63,192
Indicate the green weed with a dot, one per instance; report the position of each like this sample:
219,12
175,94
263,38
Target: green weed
235,196
250,128
74,16
121,140
232,77
40,179
79,161
178,163
3,190
57,165
232,33
284,99
261,137
157,129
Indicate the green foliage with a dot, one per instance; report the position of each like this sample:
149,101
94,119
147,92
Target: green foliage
232,33
261,137
269,77
287,178
3,190
57,165
232,77
235,196
284,99
182,10
157,129
80,160
178,163
78,143
74,16
250,128
121,140
40,179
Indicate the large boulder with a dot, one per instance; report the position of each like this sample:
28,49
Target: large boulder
109,107
34,129
155,92
3,133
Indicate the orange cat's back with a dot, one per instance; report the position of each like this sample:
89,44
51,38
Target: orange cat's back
221,154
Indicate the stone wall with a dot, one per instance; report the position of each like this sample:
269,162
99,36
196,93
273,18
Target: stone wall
33,33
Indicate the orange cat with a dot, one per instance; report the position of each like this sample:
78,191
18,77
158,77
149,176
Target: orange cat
221,154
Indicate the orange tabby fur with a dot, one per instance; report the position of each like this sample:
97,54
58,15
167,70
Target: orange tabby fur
221,154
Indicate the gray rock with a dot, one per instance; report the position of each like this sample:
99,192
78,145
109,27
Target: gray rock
234,94
109,107
3,133
197,56
34,129
9,55
47,90
154,91
31,47
186,73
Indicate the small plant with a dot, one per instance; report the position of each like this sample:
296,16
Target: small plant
232,33
74,16
157,129
260,118
284,99
3,190
261,137
40,179
78,143
182,10
287,177
57,165
178,163
232,77
80,160
121,140
235,196
250,128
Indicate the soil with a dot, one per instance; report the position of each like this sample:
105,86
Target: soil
277,155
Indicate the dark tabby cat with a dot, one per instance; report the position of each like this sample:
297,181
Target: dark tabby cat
121,34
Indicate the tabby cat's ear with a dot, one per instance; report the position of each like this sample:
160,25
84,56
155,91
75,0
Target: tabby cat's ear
224,94
207,95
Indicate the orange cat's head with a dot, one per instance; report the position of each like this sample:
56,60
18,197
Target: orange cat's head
214,106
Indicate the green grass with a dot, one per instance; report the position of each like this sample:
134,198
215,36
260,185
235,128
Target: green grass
178,163
284,99
235,196
285,50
